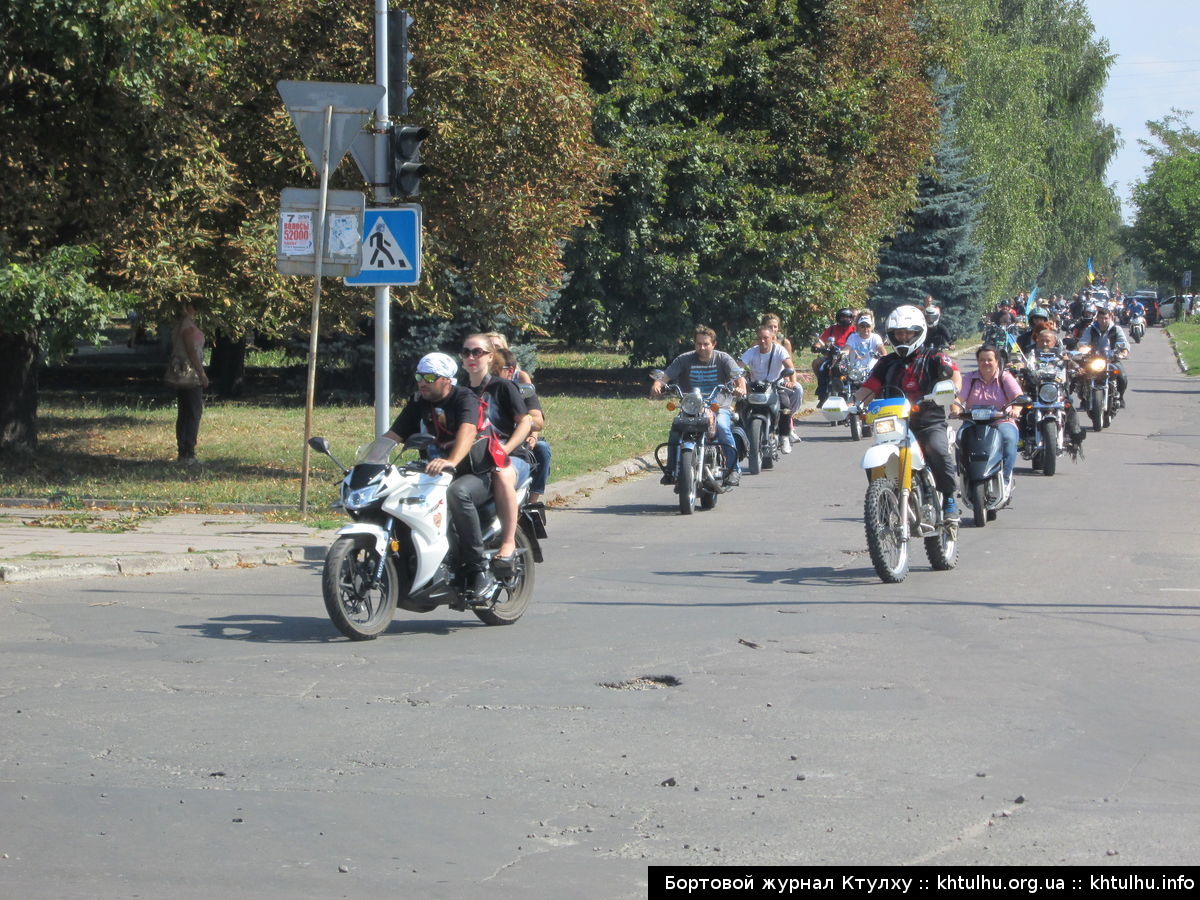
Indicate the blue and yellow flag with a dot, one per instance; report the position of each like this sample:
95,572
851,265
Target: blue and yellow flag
1032,301
1091,271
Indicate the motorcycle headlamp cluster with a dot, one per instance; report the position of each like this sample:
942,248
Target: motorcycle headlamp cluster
758,399
885,425
1097,365
692,404
362,497
1048,392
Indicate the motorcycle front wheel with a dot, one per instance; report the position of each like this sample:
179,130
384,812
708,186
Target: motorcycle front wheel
518,593
881,513
756,445
688,485
1096,410
978,504
1049,446
358,610
855,427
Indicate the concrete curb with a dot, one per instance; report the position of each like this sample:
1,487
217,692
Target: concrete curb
153,563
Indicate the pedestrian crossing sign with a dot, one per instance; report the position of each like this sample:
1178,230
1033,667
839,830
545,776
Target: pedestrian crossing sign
391,246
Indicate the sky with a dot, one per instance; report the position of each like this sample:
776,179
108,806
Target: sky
1157,67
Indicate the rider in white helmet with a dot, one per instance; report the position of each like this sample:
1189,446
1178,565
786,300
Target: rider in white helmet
912,369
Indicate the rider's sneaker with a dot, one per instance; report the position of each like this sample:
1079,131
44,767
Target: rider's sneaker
950,510
786,444
733,478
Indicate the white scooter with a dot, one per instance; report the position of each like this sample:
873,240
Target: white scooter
400,550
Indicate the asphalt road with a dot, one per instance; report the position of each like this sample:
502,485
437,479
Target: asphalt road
734,687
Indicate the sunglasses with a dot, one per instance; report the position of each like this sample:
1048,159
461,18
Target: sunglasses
474,352
427,377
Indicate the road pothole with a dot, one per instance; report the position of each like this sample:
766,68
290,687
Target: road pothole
643,683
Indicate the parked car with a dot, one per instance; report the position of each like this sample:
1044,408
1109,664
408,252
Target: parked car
1167,308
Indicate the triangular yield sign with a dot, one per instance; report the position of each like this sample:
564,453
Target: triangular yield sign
353,105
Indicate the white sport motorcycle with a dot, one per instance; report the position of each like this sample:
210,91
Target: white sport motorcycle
401,549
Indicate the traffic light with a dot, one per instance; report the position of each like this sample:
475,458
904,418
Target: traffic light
407,167
399,59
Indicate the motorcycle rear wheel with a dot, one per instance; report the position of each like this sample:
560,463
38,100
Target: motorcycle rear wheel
359,611
942,549
519,594
1049,447
688,482
881,514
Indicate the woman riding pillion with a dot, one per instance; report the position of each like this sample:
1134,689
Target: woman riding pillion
912,370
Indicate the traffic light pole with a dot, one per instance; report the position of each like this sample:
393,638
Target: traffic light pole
383,295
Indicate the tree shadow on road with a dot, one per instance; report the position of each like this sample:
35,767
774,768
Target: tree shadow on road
864,577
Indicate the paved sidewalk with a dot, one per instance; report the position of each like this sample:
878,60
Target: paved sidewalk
152,544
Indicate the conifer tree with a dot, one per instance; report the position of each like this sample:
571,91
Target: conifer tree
936,252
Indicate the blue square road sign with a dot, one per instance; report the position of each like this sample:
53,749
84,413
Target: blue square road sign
391,248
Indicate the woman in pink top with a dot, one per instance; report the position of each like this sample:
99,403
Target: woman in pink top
996,387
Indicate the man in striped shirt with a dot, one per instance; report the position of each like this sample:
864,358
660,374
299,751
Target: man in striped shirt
705,368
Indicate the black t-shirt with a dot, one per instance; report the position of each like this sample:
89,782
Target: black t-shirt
505,405
939,337
441,418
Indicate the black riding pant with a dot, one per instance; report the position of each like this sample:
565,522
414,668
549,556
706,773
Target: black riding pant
466,495
935,444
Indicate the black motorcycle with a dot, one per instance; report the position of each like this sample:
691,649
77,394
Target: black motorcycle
1044,424
759,412
698,472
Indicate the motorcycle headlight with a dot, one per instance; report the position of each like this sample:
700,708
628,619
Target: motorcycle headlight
1097,365
886,425
692,404
1048,392
758,399
362,497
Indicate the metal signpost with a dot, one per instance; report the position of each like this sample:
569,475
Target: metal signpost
328,116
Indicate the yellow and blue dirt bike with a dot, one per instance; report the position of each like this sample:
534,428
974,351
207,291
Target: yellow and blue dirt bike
902,500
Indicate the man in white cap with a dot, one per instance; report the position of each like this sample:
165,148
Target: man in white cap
450,413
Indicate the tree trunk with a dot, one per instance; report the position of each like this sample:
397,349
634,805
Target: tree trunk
227,368
18,390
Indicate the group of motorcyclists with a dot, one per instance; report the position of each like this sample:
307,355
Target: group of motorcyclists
489,431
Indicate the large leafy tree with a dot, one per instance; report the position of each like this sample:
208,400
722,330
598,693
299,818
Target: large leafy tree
1165,235
153,131
1032,73
765,148
936,252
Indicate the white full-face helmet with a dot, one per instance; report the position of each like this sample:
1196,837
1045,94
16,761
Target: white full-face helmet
910,318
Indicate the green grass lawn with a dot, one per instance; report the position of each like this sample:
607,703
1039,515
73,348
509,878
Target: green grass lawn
98,445
1186,337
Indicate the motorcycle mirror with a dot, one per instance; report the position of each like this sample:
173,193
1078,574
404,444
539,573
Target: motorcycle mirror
658,375
319,444
418,441
787,373
527,390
